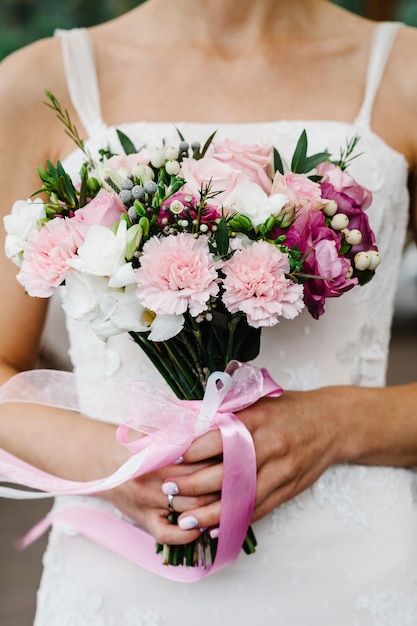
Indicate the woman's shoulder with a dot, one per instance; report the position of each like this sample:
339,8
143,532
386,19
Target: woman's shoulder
28,70
404,53
25,76
398,104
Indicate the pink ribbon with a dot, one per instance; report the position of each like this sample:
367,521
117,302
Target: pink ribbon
167,439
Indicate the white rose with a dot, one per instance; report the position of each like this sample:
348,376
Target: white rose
19,225
254,203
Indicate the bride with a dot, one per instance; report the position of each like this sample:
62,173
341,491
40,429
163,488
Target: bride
335,512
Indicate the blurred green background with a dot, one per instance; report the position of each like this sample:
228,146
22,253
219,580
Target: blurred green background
24,21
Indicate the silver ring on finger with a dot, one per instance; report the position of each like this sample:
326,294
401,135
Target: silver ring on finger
170,500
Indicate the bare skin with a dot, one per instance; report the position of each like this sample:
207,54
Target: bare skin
219,61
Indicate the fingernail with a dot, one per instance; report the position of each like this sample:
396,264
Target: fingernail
187,523
214,533
170,489
179,460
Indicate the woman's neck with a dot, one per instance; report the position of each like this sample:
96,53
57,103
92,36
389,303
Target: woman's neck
226,25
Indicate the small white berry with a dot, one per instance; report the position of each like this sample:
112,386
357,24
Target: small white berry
354,237
158,157
171,153
349,273
362,260
375,259
330,208
339,221
203,228
172,168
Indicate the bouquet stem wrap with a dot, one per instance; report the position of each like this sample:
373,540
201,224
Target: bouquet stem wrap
170,426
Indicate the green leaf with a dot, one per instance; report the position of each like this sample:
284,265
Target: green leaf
311,162
207,145
180,135
133,239
127,145
278,166
222,238
65,181
83,188
300,154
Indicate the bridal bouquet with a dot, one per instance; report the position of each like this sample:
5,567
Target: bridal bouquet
194,249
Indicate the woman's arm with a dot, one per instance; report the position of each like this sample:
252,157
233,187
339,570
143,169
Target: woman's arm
61,442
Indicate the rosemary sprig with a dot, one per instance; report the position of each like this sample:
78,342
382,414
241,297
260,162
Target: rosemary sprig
70,128
346,154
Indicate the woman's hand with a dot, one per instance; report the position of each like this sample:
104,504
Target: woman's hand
296,438
144,502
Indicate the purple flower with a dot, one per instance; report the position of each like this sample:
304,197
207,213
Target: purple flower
352,199
320,245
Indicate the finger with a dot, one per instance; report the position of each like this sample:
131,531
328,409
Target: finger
200,483
207,446
179,503
206,517
165,532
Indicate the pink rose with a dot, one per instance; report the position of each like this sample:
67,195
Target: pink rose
344,183
300,190
256,284
255,160
128,161
105,209
45,259
220,176
177,273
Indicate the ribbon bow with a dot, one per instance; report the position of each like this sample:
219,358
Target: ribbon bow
171,425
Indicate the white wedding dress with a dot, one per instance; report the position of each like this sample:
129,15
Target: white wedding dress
343,553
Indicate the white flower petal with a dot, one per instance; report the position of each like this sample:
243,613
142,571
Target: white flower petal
124,275
166,326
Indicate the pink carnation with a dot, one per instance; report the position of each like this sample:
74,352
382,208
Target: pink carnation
300,190
105,209
256,284
44,265
177,273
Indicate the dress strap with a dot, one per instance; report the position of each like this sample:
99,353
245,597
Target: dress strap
381,45
81,77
